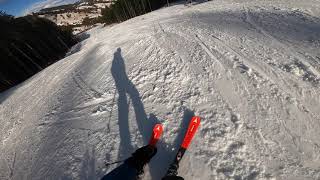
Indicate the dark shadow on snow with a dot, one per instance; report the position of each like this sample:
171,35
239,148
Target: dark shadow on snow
126,89
88,168
77,47
83,36
187,2
4,95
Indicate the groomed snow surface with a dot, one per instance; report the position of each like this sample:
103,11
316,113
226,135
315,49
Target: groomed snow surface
249,68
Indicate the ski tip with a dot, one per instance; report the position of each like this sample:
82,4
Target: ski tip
156,134
196,119
193,126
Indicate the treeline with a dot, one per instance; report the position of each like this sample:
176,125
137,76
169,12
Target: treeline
27,45
122,10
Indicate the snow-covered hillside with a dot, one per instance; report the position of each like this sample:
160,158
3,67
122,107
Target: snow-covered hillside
74,14
249,68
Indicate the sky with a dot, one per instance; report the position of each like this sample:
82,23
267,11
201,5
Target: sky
23,7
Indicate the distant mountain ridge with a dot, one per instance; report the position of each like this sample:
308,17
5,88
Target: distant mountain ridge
72,6
74,14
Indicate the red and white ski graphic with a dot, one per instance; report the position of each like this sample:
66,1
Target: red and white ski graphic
156,134
192,129
193,126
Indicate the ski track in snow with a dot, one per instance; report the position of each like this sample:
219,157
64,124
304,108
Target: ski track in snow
249,69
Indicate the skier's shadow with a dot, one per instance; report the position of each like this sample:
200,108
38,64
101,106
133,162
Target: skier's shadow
126,87
159,164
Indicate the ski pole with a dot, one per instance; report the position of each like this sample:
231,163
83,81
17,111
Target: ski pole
115,162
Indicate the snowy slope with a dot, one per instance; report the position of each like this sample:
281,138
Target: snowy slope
250,69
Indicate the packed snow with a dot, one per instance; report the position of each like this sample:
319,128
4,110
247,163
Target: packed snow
249,68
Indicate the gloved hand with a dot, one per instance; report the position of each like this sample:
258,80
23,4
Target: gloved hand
141,157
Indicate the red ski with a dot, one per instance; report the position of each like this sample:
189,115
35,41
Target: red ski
156,134
193,126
